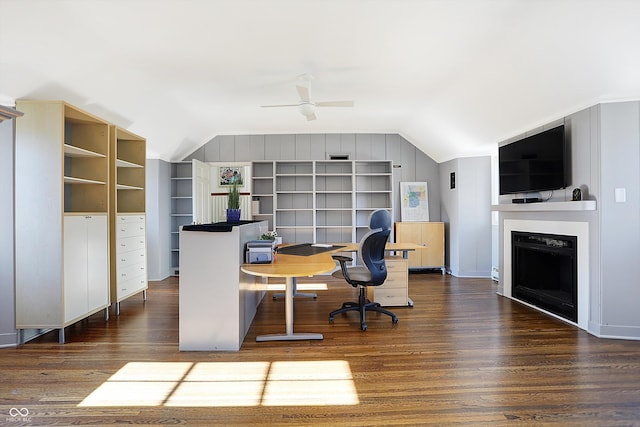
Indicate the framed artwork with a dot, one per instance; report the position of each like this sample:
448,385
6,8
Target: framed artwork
414,201
230,175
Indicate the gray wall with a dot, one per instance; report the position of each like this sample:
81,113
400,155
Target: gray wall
8,335
605,155
620,221
158,219
410,164
466,211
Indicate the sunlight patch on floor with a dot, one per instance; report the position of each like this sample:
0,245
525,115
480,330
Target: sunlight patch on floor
211,384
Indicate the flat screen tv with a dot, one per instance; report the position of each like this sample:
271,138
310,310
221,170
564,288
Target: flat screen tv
535,163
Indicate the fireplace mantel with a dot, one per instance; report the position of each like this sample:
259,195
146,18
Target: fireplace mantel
582,205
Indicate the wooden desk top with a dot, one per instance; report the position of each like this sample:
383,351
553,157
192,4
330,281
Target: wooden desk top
300,266
293,265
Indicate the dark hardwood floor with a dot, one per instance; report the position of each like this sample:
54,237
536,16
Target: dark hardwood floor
461,356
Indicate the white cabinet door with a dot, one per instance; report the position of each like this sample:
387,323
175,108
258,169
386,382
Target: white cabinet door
86,265
97,262
75,267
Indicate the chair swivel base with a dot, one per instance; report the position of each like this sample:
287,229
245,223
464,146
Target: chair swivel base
362,308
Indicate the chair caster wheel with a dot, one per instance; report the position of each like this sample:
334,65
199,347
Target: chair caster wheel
394,320
331,319
363,326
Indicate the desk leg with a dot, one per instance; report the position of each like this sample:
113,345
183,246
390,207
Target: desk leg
288,313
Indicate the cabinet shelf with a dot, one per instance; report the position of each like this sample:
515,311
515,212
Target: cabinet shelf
73,151
128,187
125,164
74,180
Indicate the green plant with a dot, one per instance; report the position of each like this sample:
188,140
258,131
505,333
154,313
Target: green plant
233,201
269,235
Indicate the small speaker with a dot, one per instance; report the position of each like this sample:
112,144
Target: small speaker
576,195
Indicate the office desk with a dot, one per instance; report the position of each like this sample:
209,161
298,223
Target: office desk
290,267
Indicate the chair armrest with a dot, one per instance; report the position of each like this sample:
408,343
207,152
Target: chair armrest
341,258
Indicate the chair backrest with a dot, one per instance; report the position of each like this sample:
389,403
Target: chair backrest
372,244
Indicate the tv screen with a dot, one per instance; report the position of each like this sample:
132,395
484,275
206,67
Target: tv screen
535,163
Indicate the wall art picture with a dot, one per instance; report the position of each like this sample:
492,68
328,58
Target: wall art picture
414,201
230,175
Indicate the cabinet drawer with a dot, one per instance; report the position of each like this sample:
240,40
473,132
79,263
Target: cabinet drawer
131,272
130,218
396,265
126,259
393,297
129,244
128,229
131,286
394,281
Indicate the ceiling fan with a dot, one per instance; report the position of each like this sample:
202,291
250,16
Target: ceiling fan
306,106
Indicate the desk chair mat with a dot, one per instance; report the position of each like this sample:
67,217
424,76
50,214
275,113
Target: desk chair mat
306,249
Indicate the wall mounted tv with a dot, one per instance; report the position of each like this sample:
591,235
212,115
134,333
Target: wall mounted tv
535,163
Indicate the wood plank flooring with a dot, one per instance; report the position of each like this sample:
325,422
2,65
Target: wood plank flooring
461,356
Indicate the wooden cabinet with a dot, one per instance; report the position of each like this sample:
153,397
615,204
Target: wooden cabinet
61,182
127,212
427,234
395,289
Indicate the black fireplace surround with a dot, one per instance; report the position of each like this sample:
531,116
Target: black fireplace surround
544,272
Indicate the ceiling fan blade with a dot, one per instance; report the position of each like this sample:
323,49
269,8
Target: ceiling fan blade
335,104
279,105
310,117
303,91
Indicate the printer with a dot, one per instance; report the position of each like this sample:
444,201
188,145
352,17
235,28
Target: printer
260,251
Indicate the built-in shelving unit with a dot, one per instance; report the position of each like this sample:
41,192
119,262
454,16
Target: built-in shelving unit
321,201
264,191
181,207
127,215
334,201
373,190
61,215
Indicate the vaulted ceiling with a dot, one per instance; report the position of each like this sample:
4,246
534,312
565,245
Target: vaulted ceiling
453,77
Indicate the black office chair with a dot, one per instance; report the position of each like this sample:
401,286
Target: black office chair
373,270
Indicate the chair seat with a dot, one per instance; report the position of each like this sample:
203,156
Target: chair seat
357,274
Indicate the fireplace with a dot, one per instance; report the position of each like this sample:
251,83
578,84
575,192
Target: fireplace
545,272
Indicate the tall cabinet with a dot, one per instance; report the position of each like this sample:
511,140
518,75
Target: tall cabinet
61,215
128,252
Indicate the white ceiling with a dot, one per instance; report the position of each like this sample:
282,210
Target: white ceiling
454,77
